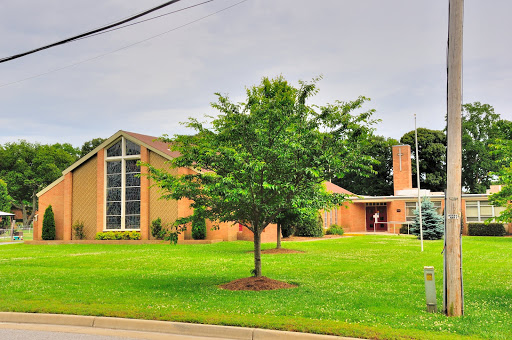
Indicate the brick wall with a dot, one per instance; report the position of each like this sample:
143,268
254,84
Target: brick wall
402,171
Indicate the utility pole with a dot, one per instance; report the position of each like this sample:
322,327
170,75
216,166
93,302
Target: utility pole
453,262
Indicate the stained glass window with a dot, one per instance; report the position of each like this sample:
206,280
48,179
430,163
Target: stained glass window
132,148
122,185
115,150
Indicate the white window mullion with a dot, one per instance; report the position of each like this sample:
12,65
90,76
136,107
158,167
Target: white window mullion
123,184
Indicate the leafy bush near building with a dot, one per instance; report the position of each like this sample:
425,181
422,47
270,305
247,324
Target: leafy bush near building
78,230
157,230
48,231
118,235
287,229
198,224
310,225
482,229
335,229
404,229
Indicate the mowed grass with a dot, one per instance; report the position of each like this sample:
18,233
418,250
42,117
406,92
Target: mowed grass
366,286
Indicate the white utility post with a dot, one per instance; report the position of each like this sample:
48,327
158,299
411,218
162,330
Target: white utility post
453,261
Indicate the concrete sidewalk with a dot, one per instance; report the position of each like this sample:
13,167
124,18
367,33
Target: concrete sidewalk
144,329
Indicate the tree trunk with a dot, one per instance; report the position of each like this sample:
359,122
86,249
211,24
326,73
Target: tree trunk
278,244
257,253
24,214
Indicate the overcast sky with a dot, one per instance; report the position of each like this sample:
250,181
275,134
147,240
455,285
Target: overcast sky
391,51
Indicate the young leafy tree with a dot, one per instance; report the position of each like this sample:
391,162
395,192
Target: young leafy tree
432,150
504,196
27,168
48,231
432,222
266,155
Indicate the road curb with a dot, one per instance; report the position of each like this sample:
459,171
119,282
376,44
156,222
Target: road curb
178,328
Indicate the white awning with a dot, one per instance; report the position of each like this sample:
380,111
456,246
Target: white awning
5,214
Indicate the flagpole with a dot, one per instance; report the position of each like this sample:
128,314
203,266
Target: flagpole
418,181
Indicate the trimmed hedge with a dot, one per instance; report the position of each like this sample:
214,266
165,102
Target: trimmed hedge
118,235
482,229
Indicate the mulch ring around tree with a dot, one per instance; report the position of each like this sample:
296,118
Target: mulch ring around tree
256,284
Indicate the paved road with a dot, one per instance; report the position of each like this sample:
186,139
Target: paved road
12,331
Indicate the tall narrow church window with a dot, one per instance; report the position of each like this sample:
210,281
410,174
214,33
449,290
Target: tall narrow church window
122,186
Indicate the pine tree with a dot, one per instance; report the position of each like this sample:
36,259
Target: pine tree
48,232
433,223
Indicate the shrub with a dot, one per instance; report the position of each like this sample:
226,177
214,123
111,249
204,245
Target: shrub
482,229
335,230
118,235
404,229
287,229
310,225
198,224
78,230
157,230
48,231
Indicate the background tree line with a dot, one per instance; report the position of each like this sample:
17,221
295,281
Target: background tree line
26,168
481,129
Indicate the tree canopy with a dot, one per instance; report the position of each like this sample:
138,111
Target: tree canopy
432,151
90,145
503,150
266,155
380,182
27,168
481,127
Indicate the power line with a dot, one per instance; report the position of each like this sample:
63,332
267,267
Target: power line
152,18
121,48
104,28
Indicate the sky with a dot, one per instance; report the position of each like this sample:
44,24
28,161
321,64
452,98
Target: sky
393,52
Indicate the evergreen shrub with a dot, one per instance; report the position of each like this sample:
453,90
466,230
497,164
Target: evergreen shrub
482,229
432,222
48,231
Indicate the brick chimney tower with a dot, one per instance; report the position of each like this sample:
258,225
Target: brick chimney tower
402,168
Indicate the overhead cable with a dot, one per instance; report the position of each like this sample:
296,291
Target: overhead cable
76,37
121,48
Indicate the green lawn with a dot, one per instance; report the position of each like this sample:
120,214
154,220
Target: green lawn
367,286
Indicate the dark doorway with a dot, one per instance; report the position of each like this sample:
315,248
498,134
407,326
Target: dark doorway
370,220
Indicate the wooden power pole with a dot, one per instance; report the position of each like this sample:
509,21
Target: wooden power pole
453,262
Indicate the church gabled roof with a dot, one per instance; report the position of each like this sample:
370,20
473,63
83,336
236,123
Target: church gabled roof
150,142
